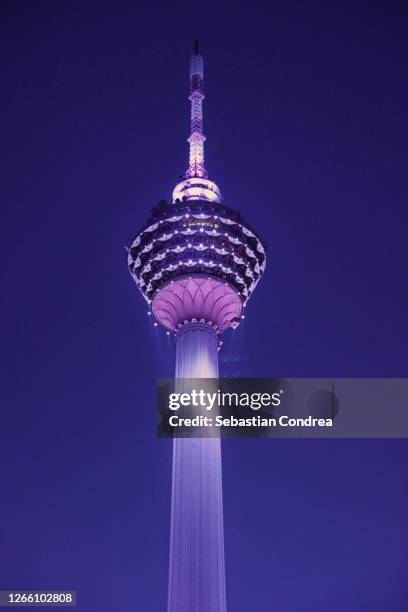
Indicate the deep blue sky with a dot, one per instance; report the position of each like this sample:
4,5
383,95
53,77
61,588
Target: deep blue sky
307,135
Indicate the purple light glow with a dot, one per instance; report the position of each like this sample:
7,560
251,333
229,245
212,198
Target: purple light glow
199,298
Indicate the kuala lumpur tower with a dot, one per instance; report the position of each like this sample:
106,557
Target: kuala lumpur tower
196,262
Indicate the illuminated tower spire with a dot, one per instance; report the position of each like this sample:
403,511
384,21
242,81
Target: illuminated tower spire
196,185
196,139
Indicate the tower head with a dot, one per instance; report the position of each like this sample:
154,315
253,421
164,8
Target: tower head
196,260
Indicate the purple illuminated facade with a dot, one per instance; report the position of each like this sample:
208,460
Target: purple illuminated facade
196,262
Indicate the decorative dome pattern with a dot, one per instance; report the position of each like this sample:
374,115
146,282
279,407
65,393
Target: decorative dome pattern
197,299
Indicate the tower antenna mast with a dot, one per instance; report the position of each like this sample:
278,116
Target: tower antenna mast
196,139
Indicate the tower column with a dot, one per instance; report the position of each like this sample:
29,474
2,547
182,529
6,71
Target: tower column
196,570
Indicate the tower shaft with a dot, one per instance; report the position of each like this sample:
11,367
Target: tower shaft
196,571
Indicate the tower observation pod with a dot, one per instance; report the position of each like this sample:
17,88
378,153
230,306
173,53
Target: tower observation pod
196,263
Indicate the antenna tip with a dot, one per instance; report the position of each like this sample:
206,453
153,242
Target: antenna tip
196,46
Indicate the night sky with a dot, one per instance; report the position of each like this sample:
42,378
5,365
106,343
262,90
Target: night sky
306,120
